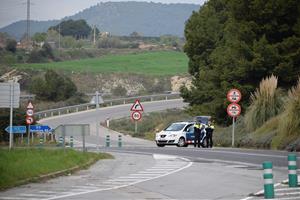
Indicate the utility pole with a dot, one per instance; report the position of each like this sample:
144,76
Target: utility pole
28,25
94,36
59,36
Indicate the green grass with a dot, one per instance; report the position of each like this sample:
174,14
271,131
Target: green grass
21,164
151,63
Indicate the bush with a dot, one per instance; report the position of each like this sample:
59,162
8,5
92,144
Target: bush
119,91
266,103
53,87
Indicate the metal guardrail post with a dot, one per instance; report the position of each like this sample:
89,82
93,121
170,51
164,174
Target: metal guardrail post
292,167
268,180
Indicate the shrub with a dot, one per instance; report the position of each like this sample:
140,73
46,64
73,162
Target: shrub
290,121
266,103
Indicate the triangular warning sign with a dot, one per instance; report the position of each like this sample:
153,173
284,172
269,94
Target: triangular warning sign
137,106
29,106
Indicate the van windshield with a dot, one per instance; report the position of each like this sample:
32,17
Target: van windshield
175,127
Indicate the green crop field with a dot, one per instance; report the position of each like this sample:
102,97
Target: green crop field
151,63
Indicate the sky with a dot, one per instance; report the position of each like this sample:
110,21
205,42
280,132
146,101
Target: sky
15,10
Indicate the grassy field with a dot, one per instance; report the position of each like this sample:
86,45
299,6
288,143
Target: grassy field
152,63
22,164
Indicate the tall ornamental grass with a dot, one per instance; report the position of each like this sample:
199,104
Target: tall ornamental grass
289,124
266,102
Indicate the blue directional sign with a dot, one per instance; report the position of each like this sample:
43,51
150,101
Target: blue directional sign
16,129
40,128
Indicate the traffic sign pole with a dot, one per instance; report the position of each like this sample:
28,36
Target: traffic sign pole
11,116
233,127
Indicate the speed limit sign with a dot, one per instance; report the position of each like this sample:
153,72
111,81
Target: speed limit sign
136,115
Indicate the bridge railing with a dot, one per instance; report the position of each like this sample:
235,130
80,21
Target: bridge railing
108,102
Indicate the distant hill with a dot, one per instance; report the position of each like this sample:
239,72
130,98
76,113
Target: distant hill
122,18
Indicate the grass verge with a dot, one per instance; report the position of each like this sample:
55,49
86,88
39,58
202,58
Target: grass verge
20,166
151,63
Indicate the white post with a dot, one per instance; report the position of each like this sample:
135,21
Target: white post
135,128
97,123
233,127
11,117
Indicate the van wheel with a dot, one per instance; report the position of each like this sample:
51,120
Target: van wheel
181,142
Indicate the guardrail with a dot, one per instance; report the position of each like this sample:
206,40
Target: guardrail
110,102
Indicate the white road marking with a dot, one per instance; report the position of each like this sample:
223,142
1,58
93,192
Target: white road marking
287,193
161,169
287,189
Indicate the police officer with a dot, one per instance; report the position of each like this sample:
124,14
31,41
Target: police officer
197,132
209,134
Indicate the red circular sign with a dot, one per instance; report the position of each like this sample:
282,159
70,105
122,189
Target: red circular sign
29,120
136,115
234,95
234,109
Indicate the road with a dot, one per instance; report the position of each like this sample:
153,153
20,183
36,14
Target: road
143,171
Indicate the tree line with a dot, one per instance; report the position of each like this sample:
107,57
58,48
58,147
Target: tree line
235,44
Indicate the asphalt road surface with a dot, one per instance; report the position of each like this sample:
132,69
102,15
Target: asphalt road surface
143,171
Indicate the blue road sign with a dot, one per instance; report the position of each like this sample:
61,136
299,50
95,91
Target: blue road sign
16,129
40,128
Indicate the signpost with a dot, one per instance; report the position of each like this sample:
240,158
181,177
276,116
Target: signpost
136,114
29,119
10,98
234,109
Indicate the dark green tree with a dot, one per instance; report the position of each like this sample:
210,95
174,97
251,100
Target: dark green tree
11,45
75,28
234,44
54,87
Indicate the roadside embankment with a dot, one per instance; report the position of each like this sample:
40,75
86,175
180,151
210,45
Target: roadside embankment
20,166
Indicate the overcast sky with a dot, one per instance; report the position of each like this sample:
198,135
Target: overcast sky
14,10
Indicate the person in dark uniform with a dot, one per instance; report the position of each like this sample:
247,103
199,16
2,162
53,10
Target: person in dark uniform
197,133
209,134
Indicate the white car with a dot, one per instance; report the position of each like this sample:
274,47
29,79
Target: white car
175,134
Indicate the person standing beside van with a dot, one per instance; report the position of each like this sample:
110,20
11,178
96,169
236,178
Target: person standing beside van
209,134
197,134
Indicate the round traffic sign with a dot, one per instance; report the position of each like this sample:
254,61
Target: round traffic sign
234,95
136,115
29,120
29,112
234,109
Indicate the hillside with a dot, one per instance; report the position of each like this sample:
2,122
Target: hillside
122,18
